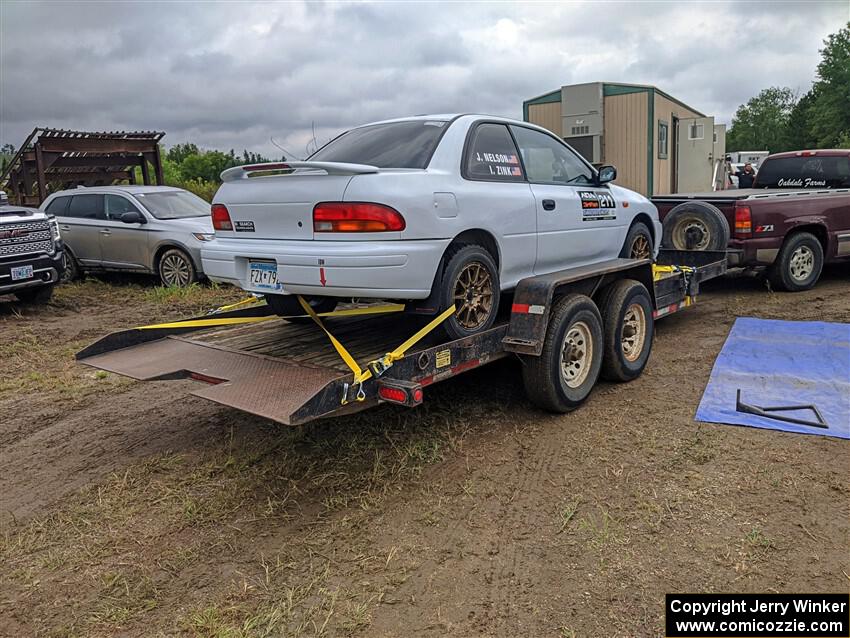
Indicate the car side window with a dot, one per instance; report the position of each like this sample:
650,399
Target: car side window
492,155
549,161
86,207
116,205
58,206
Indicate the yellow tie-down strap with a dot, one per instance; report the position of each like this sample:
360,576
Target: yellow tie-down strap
361,375
659,272
212,321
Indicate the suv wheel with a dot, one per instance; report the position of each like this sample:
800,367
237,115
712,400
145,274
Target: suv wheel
176,268
72,268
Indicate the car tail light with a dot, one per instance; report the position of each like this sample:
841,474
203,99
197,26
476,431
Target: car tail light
221,217
356,217
743,222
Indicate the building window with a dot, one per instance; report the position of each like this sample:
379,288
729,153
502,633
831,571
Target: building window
715,137
696,132
663,136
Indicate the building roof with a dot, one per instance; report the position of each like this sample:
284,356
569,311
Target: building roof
609,88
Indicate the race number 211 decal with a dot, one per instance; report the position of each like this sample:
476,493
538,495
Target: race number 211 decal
597,206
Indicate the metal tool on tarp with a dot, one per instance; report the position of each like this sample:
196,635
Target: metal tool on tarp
769,412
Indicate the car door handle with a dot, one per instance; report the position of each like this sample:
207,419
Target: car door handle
548,204
65,227
105,232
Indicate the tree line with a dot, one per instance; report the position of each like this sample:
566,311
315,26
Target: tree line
779,119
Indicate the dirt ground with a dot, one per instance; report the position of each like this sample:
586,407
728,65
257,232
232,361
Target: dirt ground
129,509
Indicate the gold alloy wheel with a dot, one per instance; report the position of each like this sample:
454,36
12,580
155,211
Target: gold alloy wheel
634,332
576,354
640,248
473,296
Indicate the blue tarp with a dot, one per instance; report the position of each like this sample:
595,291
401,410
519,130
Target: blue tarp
777,363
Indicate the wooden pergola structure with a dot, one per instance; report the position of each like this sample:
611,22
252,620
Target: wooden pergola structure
56,159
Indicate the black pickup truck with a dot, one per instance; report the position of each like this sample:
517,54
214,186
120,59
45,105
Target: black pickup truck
795,218
31,253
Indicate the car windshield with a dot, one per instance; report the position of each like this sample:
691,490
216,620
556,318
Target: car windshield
394,145
174,204
805,172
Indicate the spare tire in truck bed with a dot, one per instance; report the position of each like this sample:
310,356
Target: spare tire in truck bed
695,226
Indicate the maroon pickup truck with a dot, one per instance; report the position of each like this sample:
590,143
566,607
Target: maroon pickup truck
794,219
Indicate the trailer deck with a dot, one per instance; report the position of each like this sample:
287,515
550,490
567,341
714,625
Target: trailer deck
289,373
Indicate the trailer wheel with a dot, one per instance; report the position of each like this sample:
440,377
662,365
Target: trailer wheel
288,305
695,226
626,309
798,265
471,282
561,378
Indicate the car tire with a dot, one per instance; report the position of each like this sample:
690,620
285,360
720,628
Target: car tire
798,265
40,295
695,226
575,334
72,270
638,244
176,269
288,305
470,280
626,309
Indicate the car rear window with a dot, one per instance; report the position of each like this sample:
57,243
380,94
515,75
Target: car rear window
174,204
805,172
394,145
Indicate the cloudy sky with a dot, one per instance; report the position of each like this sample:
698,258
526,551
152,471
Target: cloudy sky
234,74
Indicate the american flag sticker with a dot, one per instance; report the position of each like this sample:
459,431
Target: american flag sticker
512,159
515,171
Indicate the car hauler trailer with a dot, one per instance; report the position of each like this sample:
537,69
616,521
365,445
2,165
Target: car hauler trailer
567,327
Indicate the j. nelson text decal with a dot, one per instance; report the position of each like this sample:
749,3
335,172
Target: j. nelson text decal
597,205
500,164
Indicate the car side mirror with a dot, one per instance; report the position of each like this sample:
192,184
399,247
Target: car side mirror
133,217
606,174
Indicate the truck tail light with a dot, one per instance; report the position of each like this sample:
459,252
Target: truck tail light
743,222
221,217
356,217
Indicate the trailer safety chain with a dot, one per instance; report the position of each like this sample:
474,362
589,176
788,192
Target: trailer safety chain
377,367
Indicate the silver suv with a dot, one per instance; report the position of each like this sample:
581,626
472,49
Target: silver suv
151,229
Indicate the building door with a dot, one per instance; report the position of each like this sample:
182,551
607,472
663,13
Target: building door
695,154
674,156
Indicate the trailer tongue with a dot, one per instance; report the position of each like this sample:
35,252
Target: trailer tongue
287,372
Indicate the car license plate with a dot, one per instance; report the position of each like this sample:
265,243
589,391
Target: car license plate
21,272
263,275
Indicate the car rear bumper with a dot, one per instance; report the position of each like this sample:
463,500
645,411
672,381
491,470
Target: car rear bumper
387,269
47,269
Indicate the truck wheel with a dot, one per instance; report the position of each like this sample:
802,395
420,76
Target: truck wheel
176,268
638,244
40,295
798,265
695,226
471,282
561,378
288,305
626,309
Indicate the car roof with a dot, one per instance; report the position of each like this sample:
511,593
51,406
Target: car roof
448,117
130,189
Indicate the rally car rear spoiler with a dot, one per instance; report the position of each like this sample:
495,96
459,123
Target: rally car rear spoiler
330,168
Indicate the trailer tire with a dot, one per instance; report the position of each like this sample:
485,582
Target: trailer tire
288,305
626,309
471,271
574,332
798,265
695,226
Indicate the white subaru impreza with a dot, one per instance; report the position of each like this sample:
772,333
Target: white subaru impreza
443,209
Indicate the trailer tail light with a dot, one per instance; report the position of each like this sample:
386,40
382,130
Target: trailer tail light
401,392
356,217
743,222
221,217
